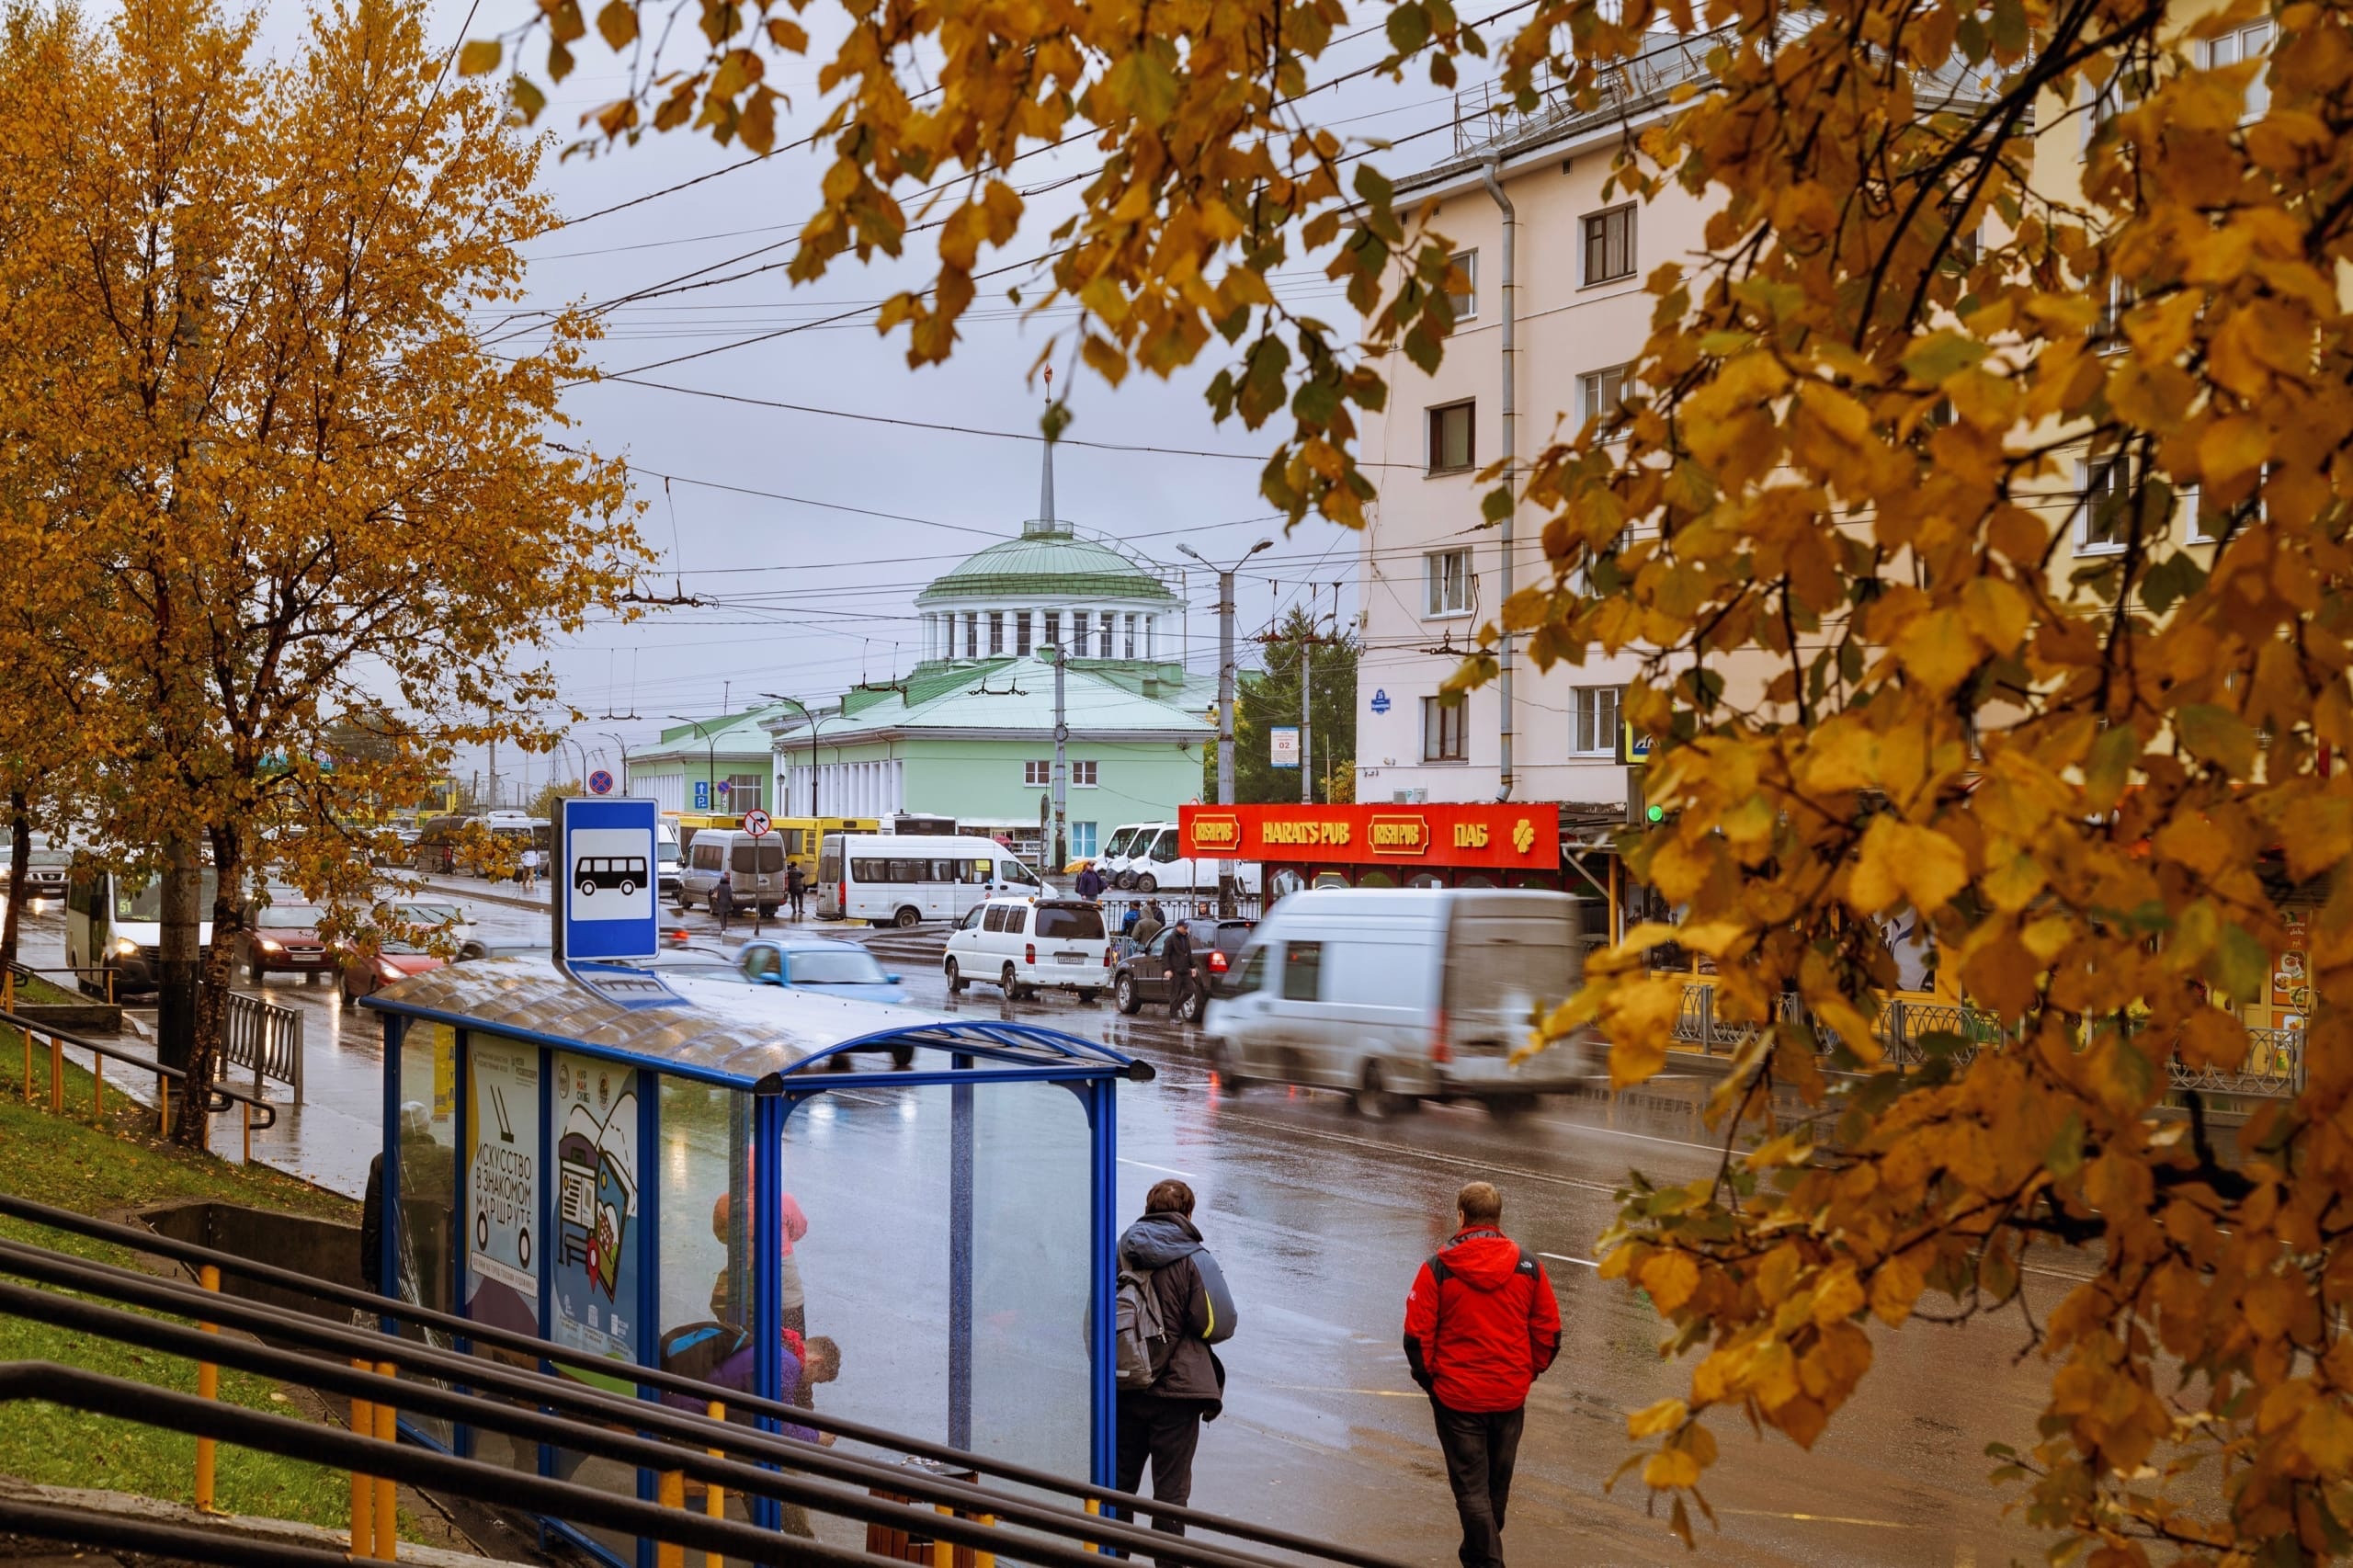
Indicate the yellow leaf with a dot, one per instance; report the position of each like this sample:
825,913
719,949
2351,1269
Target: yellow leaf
479,57
1936,650
1997,612
2233,448
1663,1416
1670,1277
1670,1468
1925,866
1896,1285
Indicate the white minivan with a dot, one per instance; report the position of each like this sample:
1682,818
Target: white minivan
1124,841
894,879
1401,994
1024,945
754,868
1156,859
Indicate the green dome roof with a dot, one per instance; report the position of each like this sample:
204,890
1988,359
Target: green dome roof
1047,558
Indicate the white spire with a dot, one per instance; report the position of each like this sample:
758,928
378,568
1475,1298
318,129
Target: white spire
1046,484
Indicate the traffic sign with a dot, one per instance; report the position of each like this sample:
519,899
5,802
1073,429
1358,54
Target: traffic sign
702,794
756,821
604,898
601,782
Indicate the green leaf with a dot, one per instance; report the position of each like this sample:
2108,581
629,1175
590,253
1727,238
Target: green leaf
2218,736
2239,966
2170,580
2064,1157
2109,767
1409,28
1144,84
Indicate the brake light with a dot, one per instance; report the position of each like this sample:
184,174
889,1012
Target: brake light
1217,961
1440,1050
1107,955
1028,952
841,896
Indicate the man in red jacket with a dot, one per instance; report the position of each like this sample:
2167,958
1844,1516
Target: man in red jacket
1481,1324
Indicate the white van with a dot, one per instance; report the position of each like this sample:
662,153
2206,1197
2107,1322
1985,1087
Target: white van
1156,859
906,878
1399,994
755,868
669,860
1113,857
1025,945
115,921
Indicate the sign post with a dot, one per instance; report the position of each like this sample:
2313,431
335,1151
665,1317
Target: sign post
603,907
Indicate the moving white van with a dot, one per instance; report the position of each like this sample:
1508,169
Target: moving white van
907,879
1401,994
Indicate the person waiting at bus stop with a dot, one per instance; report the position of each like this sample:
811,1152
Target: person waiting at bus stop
722,900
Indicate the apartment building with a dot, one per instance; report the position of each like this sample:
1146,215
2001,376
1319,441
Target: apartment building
1553,265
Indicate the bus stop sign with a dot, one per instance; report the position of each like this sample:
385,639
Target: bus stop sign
602,898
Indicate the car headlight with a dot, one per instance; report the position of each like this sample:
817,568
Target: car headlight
124,948
270,946
389,970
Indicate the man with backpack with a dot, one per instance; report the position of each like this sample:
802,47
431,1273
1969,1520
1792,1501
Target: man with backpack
1173,1306
1481,1325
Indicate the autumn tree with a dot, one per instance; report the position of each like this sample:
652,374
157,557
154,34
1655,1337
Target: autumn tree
303,489
1955,250
1270,697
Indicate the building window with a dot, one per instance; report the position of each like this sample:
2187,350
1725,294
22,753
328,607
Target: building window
1446,576
996,632
1609,244
1053,638
2250,43
2103,523
1451,448
1022,631
1600,391
1442,726
1082,840
1037,773
2104,103
971,634
1082,774
1465,265
1103,636
1132,637
1592,720
743,792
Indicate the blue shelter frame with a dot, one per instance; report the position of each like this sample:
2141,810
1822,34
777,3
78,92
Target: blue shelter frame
520,1239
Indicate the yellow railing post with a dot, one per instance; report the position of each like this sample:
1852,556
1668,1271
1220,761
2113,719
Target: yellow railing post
715,1497
98,1089
163,1107
943,1551
28,1037
670,1491
207,1386
1093,1507
985,1559
387,1522
363,1491
249,1130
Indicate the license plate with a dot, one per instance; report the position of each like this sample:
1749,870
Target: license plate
1070,958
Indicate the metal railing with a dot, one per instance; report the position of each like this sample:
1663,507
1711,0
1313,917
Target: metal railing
266,1039
381,1373
258,1113
2274,1065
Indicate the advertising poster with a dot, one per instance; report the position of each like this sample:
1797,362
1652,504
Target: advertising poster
503,1183
2291,974
595,1262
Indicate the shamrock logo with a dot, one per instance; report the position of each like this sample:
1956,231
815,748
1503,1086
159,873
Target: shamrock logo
1523,835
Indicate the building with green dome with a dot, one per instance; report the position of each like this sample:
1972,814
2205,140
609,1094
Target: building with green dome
969,733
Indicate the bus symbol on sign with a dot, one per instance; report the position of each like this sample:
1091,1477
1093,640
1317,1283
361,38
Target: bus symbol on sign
622,873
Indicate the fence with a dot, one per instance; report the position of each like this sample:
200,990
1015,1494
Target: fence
266,1038
259,1114
2274,1065
960,1506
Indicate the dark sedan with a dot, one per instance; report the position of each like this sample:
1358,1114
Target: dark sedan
1137,976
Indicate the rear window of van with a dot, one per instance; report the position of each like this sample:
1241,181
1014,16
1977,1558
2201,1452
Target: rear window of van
1071,925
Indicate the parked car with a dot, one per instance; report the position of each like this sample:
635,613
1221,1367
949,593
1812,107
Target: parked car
366,974
437,843
823,964
283,938
1023,946
1401,994
1138,975
432,920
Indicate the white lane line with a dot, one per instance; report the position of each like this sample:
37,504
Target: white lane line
1564,1257
1645,1137
1395,1151
1147,1165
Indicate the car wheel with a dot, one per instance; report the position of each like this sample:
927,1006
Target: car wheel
1188,1011
955,981
1147,884
1086,997
1222,1054
1123,992
1125,879
1007,983
1373,1100
909,918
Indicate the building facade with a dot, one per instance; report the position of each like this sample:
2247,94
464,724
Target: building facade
717,765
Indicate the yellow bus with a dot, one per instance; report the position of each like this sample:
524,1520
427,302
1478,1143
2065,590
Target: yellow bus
798,836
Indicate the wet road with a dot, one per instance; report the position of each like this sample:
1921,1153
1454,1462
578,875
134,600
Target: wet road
1320,1219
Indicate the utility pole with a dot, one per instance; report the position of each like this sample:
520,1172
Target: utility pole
1225,702
1062,738
494,775
1306,736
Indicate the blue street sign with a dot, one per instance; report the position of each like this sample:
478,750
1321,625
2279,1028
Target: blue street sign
1380,701
702,794
601,782
603,895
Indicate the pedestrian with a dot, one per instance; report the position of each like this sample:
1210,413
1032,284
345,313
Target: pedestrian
1177,968
1161,1252
1090,882
1128,921
790,1297
1481,1325
1148,926
529,875
796,887
722,901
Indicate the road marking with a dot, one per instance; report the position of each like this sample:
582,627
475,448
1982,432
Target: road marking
1819,1518
1393,1150
1316,1388
1147,1165
1564,1257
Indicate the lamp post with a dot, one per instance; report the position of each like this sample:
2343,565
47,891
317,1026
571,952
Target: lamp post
1226,700
710,756
811,721
620,750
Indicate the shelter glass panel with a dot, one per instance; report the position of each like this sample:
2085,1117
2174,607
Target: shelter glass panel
1028,1312
428,1169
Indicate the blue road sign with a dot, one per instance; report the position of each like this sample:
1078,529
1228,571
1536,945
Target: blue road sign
601,782
1380,701
603,897
702,794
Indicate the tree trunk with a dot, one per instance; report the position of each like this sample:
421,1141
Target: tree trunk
20,851
177,1037
220,960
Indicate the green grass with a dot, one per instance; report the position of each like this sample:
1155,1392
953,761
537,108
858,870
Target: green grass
67,1162
46,992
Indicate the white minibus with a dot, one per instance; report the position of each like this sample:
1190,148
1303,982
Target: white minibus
1125,840
114,921
904,880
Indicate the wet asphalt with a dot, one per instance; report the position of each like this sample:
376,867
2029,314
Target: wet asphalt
1320,1219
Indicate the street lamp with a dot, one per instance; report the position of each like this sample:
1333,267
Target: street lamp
1226,700
621,751
710,757
812,721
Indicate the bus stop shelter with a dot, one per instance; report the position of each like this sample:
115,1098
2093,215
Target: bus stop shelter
604,1154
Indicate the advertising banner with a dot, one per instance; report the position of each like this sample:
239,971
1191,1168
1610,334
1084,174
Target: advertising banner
595,1264
503,1182
1504,837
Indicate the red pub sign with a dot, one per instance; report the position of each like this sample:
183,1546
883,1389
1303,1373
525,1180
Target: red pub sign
1504,836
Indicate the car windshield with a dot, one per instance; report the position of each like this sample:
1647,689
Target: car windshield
1070,923
137,900
49,858
395,947
291,917
429,913
666,854
826,966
